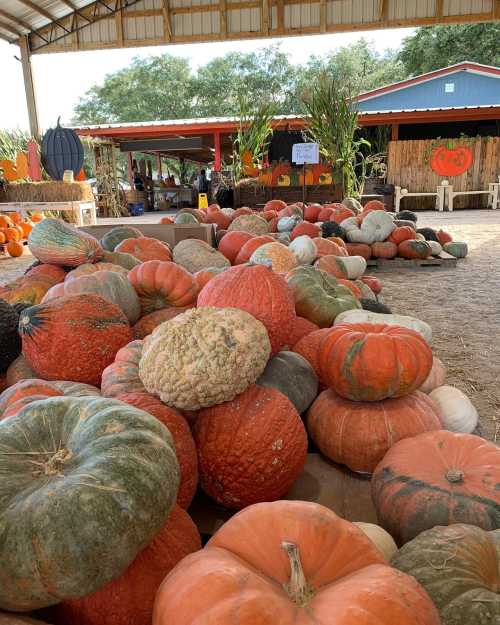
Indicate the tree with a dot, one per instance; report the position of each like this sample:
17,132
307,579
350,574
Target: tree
434,47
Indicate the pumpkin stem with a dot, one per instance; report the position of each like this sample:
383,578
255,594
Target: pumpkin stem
59,121
55,464
297,588
454,476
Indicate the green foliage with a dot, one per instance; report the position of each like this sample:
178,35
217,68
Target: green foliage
12,142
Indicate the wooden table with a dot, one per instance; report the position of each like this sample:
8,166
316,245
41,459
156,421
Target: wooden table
79,209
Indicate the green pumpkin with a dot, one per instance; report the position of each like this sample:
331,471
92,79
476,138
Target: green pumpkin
456,249
86,484
318,295
185,218
127,261
116,235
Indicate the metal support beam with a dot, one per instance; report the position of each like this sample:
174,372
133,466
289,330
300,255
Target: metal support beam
29,87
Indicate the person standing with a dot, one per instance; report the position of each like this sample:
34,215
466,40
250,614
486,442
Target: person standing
202,183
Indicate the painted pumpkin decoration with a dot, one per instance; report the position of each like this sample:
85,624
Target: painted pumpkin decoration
437,478
122,376
145,248
459,567
291,562
160,284
90,328
358,434
116,235
367,362
232,242
106,477
451,162
61,150
258,291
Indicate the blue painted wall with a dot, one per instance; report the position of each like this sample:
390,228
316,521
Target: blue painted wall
470,90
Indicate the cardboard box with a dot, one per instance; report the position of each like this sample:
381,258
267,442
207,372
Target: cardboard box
170,233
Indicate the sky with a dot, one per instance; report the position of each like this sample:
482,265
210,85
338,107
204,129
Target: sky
61,79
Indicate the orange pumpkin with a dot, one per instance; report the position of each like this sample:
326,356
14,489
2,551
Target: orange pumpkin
385,249
12,234
166,220
370,362
356,291
326,214
19,370
402,233
290,562
16,218
358,434
218,218
145,248
437,478
342,213
3,238
36,217
14,248
250,449
309,348
340,242
298,329
269,214
241,211
372,282
444,237
149,322
6,222
414,249
232,242
249,248
359,249
326,247
373,205
26,227
24,389
122,375
305,228
311,212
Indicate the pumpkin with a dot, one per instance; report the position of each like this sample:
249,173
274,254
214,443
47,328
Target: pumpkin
437,478
17,619
290,562
358,434
249,223
26,389
299,328
249,248
287,224
386,249
250,449
304,249
407,216
350,267
145,248
325,247
16,249
373,283
400,223
451,161
2,237
367,362
366,292
340,242
107,485
309,346
166,221
435,378
127,261
204,276
58,243
429,234
232,242
276,205
373,205
122,376
10,341
61,150
219,219
177,365
195,255
318,296
275,255
130,598
269,214
376,226
436,248
149,322
404,233
90,328
115,236
352,286
161,284
12,235
292,375
455,248
18,369
292,210
91,268
311,213
414,249
112,286
379,537
186,218
342,213
51,273
6,221
412,323
374,306
183,441
444,237
76,389
258,291
458,414
244,210
459,567
325,214
359,249
305,228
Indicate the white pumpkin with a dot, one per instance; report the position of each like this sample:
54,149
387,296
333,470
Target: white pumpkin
436,248
366,316
353,204
287,224
347,267
458,413
435,378
379,225
353,232
229,212
419,236
304,249
380,538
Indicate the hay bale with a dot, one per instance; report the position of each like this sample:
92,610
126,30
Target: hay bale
53,191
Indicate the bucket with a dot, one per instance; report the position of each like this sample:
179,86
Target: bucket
136,208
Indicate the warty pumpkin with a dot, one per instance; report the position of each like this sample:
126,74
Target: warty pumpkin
122,376
145,248
160,284
177,366
290,562
366,362
257,290
437,478
195,255
249,223
274,255
101,480
458,413
90,328
358,434
232,242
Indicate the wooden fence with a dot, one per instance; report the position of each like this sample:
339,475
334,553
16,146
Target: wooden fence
409,167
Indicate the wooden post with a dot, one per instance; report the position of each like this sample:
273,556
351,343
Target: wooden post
130,167
29,87
158,164
395,132
218,156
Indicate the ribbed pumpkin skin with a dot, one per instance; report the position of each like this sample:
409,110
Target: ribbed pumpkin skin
183,441
61,149
249,248
55,242
194,255
23,389
74,520
122,376
370,362
73,337
76,389
386,249
249,223
359,249
149,322
250,449
127,261
116,235
162,284
437,478
257,290
414,249
232,242
309,348
90,268
245,571
328,248
403,233
129,599
358,434
145,248
204,276
459,567
298,329
53,273
19,370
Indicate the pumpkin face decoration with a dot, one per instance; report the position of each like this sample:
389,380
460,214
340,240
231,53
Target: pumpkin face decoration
290,562
454,162
368,362
437,478
101,480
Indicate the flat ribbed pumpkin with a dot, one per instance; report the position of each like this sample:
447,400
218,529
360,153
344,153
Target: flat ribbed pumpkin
437,478
145,248
90,268
369,362
195,255
403,233
204,276
122,376
232,242
359,249
73,337
257,290
275,255
162,284
25,389
250,449
249,248
116,235
149,322
414,249
385,249
101,480
309,348
58,243
290,562
358,434
127,261
325,247
349,268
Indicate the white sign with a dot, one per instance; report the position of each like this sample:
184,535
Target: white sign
303,153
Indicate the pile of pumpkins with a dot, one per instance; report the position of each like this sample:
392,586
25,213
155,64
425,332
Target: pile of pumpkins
146,374
14,229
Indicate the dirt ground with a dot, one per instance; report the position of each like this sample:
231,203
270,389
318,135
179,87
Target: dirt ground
462,305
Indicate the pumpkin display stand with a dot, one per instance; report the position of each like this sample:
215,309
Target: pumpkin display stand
169,233
442,260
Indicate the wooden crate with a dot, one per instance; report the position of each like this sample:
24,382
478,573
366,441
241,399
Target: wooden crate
169,233
254,196
385,264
